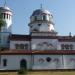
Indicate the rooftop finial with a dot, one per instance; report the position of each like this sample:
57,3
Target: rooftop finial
5,3
70,34
41,6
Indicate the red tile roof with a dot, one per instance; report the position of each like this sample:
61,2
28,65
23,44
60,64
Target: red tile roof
20,37
38,52
66,39
16,37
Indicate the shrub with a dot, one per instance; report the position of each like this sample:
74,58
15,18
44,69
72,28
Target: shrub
22,71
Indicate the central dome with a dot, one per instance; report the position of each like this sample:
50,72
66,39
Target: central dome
41,20
5,8
40,11
41,15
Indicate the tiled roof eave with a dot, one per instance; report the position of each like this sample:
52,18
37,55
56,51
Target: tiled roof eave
38,52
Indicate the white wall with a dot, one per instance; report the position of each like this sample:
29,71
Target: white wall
13,61
65,62
43,27
34,62
69,43
12,43
53,64
69,61
35,42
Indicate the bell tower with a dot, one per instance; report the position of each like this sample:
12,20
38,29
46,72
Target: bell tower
5,29
7,17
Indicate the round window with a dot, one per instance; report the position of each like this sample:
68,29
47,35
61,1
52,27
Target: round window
48,59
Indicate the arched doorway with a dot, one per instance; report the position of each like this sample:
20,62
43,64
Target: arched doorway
23,64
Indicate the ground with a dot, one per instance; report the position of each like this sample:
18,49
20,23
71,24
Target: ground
41,73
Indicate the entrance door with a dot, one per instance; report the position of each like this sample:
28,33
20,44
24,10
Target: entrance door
23,64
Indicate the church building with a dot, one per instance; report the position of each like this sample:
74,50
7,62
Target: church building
42,49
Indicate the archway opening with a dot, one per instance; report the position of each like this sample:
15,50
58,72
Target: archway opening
23,64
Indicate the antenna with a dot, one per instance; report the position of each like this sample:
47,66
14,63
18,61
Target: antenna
41,6
5,3
70,34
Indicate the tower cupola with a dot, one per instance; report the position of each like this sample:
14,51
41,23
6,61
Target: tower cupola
7,17
5,31
41,14
41,20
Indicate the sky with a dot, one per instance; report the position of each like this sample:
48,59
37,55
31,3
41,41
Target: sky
63,14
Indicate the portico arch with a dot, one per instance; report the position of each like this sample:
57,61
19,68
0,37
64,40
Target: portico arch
23,64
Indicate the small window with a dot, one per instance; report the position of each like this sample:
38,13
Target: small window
7,16
4,15
26,46
31,26
17,46
21,46
39,24
35,18
71,47
35,29
44,17
62,46
48,59
67,47
4,62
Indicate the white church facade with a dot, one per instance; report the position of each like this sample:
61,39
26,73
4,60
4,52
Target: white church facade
42,49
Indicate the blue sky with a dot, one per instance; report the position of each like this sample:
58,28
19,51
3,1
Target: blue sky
63,12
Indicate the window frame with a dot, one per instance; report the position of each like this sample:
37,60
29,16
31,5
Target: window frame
4,62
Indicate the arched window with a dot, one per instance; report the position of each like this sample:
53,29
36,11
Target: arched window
67,47
7,16
35,18
62,46
23,64
4,62
21,46
26,46
4,15
17,46
71,47
44,17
